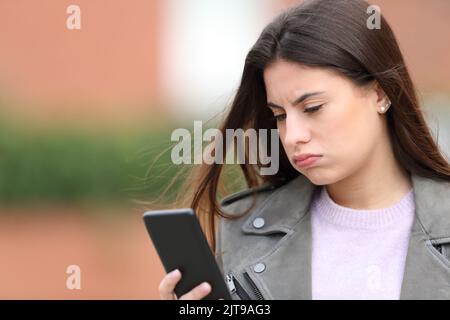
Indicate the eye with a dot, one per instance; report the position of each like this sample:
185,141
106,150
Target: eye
280,117
313,109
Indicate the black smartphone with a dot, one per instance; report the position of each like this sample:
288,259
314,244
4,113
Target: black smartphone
181,244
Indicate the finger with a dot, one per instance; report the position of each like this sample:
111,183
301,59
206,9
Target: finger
168,284
199,292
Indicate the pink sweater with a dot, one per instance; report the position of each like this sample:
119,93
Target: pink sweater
359,254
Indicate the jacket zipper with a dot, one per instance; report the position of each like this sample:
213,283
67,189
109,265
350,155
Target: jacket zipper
255,289
235,287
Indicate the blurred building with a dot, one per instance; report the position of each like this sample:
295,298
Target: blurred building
133,60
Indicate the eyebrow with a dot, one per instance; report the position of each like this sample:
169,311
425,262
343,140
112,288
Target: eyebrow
297,101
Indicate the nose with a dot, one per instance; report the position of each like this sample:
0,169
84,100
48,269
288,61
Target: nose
296,131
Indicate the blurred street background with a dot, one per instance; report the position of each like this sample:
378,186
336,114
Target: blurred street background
86,117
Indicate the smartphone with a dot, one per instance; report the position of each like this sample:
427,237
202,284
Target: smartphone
181,244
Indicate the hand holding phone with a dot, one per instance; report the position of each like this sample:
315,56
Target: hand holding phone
168,283
180,243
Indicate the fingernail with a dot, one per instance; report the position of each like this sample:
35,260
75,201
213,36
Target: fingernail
175,273
205,287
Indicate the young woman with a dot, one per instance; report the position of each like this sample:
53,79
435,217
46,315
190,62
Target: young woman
360,205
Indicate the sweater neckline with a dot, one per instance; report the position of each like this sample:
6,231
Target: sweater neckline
334,213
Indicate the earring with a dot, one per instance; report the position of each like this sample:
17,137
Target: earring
384,108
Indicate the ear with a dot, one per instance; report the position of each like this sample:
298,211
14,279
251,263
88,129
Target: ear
382,98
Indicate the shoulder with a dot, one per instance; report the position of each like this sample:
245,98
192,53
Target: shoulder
247,193
292,186
238,206
283,198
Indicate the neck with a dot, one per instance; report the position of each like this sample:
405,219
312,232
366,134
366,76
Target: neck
380,183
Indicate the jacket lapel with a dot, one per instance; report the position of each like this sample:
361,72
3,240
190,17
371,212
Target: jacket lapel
286,212
427,275
290,259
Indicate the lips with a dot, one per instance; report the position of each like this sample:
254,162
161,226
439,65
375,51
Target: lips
306,159
305,156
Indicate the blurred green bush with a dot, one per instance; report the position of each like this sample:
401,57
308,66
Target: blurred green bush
75,166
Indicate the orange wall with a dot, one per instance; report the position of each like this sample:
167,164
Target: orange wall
112,60
423,31
109,70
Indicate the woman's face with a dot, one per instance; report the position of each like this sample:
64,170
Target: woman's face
335,119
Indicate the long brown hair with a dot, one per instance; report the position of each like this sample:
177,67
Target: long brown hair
330,34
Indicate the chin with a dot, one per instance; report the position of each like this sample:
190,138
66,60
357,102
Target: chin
319,177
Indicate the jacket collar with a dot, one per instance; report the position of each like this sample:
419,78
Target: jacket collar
283,208
286,211
289,203
432,201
